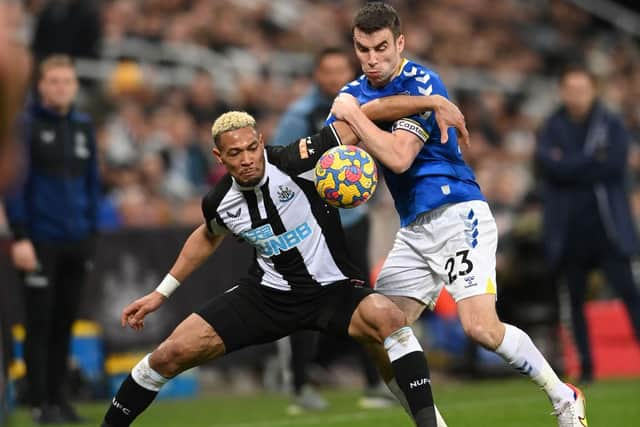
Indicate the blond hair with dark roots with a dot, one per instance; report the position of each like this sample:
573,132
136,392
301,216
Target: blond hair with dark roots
232,120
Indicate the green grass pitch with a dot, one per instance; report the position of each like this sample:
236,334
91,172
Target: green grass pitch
501,403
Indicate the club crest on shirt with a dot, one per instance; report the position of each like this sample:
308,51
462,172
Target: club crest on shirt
285,193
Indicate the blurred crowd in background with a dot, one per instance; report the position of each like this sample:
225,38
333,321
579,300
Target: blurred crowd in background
156,73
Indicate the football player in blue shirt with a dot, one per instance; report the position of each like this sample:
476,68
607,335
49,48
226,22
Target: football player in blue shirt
448,236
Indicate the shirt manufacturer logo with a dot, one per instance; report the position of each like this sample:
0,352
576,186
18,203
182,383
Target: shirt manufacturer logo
235,214
470,281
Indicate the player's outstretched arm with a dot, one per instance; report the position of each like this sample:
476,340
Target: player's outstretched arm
392,108
198,247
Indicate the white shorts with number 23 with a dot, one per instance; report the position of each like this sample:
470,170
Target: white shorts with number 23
452,246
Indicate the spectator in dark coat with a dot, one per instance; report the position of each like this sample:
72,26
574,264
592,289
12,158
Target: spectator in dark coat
53,218
582,160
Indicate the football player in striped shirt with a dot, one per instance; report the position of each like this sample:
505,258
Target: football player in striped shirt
301,277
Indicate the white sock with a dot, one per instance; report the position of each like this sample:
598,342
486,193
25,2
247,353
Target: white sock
146,377
520,352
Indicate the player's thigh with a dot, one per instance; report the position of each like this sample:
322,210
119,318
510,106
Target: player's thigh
466,264
334,308
406,274
249,314
375,318
192,342
412,308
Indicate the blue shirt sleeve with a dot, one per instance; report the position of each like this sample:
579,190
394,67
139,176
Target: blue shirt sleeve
424,83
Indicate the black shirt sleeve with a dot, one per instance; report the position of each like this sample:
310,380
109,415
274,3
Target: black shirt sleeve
210,203
301,156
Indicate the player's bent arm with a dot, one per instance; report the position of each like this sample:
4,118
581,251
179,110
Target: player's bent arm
396,107
301,156
198,247
346,134
395,150
392,108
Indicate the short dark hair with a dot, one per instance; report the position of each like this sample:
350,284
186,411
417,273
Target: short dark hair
376,16
330,50
577,67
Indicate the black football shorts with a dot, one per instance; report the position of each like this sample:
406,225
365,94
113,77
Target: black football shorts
249,313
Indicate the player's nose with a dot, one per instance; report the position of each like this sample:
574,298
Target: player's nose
245,158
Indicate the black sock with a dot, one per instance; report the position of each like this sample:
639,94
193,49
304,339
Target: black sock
130,401
303,348
412,375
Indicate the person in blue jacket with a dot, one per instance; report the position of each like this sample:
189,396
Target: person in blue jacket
582,161
53,218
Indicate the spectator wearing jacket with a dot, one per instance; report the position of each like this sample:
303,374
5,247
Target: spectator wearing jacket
582,159
53,217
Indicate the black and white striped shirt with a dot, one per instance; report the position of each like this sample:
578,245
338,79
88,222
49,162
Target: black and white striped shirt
297,237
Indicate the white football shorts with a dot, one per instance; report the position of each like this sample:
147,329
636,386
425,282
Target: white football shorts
452,246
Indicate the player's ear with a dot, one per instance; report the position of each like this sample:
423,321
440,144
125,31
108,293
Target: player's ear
400,43
261,139
216,154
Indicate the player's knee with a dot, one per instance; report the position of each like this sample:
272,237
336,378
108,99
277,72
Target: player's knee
475,331
484,334
169,358
394,319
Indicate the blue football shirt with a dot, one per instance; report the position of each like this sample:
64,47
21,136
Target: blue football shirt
438,175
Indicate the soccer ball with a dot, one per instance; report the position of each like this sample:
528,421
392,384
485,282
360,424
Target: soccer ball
346,176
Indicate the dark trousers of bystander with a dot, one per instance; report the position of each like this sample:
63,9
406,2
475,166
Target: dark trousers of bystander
582,257
51,298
